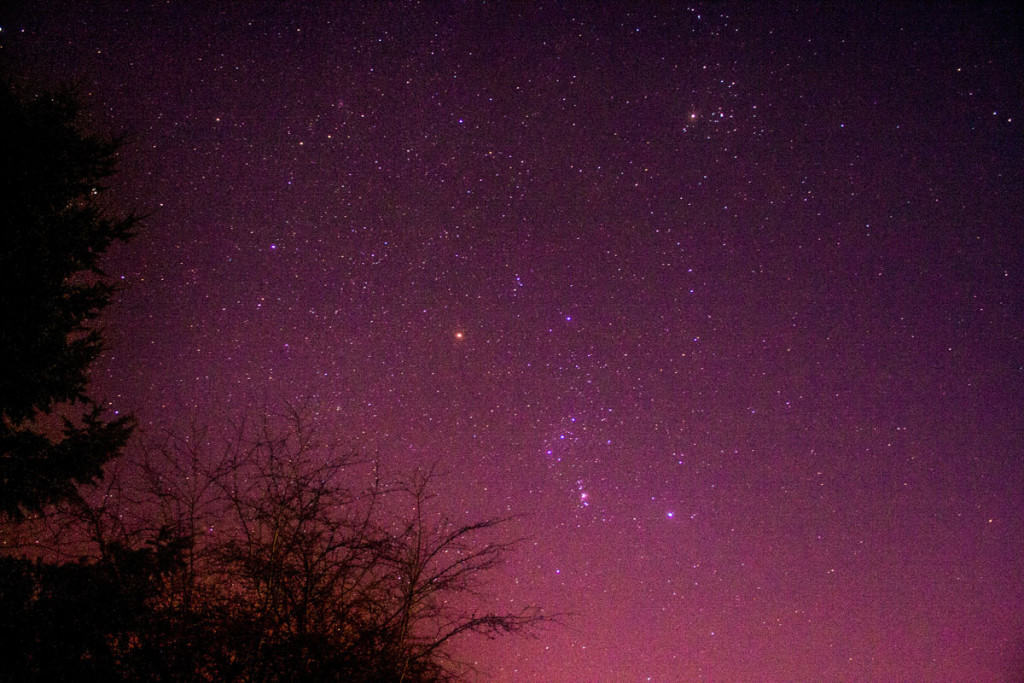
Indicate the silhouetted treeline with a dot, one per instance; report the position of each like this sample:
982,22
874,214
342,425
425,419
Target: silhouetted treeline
51,292
270,555
267,555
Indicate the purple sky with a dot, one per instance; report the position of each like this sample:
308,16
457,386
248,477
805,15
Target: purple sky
729,300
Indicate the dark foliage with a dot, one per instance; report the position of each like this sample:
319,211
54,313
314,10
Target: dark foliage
52,436
309,576
275,557
83,620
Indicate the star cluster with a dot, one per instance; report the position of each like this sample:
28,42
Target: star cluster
727,300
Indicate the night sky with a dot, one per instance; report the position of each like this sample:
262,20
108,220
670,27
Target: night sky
727,300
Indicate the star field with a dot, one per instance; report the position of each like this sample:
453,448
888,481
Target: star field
725,300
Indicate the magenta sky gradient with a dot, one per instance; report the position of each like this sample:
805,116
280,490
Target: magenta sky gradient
727,299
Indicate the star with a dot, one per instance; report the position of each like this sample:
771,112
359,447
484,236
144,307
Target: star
577,224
